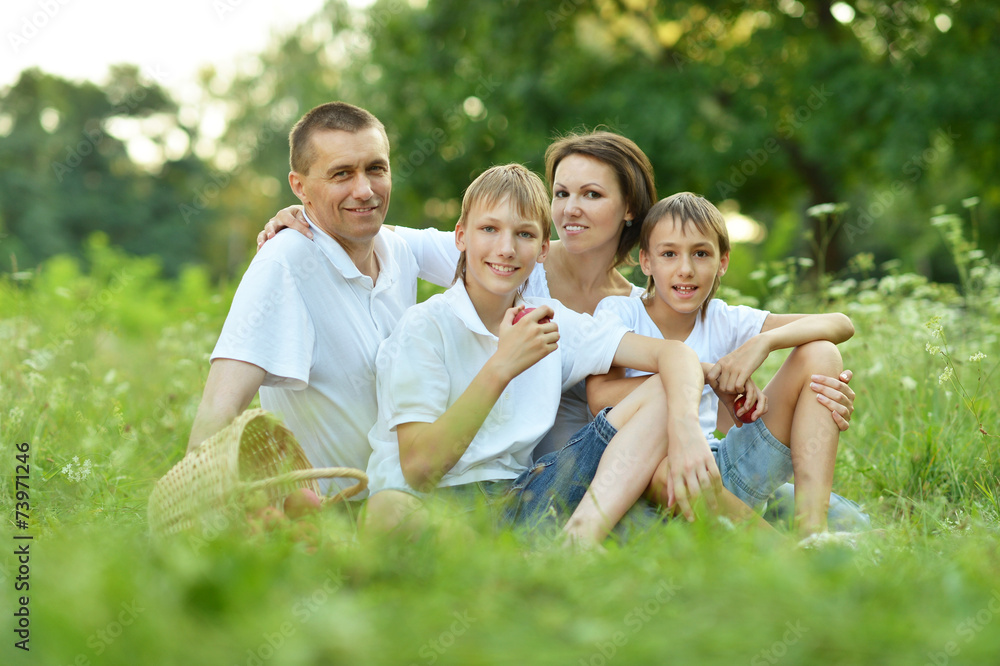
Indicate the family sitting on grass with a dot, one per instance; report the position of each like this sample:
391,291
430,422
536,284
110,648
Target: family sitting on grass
481,394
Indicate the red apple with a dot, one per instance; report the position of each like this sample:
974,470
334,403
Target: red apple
301,502
268,518
517,317
738,404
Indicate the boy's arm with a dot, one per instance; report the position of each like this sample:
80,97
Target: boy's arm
732,371
608,390
692,466
428,450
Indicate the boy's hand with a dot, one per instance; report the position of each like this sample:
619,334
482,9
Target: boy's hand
291,217
837,396
527,342
731,373
692,472
754,403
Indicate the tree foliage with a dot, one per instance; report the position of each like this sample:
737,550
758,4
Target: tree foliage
768,107
65,175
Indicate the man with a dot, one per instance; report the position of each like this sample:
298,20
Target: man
309,315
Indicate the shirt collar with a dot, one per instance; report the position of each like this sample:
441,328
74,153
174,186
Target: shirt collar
338,256
461,304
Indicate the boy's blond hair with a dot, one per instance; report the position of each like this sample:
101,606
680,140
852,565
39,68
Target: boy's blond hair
686,208
513,183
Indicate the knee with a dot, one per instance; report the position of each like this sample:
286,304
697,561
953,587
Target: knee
387,510
657,490
820,357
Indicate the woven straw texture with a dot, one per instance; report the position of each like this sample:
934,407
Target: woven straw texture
254,454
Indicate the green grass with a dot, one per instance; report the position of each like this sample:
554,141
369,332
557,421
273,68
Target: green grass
101,375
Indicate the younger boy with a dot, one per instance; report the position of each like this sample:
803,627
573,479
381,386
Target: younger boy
684,250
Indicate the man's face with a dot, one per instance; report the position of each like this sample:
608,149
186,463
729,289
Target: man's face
346,192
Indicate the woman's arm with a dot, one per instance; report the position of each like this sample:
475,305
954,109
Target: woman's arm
428,450
608,390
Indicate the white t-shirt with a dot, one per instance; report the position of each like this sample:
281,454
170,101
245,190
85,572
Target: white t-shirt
431,359
724,328
305,314
437,256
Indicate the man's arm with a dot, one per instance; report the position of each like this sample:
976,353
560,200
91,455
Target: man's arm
230,387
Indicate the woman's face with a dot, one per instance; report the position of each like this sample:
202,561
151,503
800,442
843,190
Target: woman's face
588,208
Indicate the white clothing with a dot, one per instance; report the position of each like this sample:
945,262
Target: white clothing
432,357
437,256
305,314
724,328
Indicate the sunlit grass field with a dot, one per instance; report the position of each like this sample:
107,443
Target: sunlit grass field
102,369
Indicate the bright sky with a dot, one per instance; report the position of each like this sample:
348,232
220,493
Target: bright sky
169,41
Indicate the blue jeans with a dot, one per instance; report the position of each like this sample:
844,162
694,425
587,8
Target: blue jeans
545,495
753,465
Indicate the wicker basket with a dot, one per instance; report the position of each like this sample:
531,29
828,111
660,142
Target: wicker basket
255,453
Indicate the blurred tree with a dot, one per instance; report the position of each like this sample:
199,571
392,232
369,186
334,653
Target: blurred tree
64,173
773,106
778,106
768,107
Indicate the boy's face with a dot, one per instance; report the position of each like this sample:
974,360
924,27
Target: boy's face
501,249
684,264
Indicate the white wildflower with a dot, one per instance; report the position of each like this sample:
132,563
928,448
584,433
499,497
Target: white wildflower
75,471
946,375
909,383
933,350
978,356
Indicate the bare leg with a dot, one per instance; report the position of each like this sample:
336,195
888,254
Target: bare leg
627,465
730,505
801,422
393,511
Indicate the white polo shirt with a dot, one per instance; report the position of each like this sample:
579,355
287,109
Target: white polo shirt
724,328
437,256
305,314
433,355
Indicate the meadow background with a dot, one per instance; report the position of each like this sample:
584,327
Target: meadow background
858,151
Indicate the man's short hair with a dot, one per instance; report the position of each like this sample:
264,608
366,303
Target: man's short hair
330,116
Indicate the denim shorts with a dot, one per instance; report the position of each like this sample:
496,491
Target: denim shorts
547,493
752,463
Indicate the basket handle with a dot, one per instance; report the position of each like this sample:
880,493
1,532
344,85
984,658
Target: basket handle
318,473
